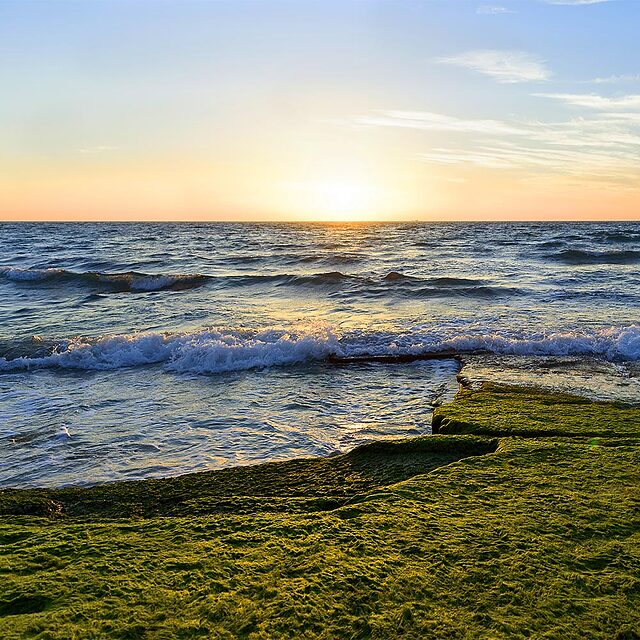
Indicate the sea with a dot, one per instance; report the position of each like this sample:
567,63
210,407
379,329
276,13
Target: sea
136,350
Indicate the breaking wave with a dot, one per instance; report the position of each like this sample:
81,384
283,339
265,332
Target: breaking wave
131,281
220,350
614,343
207,351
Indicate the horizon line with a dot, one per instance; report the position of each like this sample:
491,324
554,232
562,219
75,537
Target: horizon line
327,222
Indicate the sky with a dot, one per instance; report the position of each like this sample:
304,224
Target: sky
319,110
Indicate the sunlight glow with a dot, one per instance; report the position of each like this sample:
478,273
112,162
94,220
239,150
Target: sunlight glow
337,199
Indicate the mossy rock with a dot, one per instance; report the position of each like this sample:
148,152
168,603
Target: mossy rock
496,410
296,485
439,537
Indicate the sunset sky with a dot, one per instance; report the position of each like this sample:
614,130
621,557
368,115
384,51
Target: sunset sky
319,110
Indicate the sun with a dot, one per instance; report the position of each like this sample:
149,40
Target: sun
336,200
343,200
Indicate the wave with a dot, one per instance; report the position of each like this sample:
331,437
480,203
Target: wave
133,281
288,279
482,292
550,244
447,286
221,350
580,256
396,276
331,259
207,351
455,282
613,343
393,282
129,281
330,277
616,237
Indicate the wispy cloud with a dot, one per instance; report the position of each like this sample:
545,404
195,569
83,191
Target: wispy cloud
607,130
575,3
604,147
620,79
503,66
504,155
492,10
427,120
594,101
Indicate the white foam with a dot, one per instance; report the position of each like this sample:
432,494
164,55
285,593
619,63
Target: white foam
612,343
212,351
136,282
28,275
199,352
143,282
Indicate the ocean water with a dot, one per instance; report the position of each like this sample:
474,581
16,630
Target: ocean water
143,350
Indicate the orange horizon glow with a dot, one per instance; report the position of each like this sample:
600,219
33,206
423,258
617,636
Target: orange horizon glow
430,196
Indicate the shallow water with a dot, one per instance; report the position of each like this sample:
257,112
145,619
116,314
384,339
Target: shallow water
79,427
591,378
133,350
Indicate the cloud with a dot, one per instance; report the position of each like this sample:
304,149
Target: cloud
427,120
621,79
607,130
503,66
492,10
594,101
604,147
575,3
630,117
505,155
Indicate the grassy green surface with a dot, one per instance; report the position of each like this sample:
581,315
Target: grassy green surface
520,411
308,484
452,536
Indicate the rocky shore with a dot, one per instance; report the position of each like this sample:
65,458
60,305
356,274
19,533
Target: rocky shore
518,519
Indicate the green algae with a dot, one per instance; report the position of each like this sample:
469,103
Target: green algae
498,410
303,484
443,537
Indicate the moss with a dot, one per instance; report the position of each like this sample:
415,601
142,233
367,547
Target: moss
498,410
306,484
537,537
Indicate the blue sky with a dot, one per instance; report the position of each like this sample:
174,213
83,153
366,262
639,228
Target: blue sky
302,109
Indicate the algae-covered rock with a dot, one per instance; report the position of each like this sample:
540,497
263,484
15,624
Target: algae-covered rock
497,410
450,536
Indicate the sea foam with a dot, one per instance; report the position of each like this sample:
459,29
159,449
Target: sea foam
220,350
208,351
